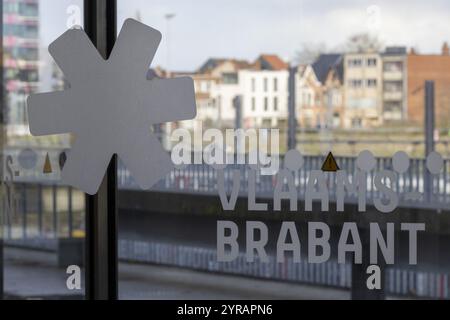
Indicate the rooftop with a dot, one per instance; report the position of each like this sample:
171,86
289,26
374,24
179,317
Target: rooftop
270,62
324,63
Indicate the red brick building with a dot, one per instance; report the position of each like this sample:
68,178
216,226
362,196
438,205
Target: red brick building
429,67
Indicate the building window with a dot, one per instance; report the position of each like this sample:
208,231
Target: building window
392,106
393,86
275,104
336,120
205,86
265,84
357,123
266,104
275,84
230,78
253,104
371,83
336,98
253,85
355,63
355,83
371,62
317,100
393,66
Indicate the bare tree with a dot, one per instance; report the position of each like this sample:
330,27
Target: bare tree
309,52
362,42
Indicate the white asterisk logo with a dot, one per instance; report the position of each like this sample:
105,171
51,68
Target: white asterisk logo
110,106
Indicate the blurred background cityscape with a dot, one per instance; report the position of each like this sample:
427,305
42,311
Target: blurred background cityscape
361,93
359,70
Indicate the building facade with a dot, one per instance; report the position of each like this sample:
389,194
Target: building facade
395,102
429,67
319,95
264,93
363,90
334,93
21,59
207,111
310,110
264,97
261,87
216,86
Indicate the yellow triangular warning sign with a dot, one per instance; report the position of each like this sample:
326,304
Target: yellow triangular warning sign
330,165
47,165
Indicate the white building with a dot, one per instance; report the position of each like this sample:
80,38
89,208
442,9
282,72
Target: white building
262,87
224,94
264,97
216,86
207,111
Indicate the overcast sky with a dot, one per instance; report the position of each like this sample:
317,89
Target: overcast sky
246,28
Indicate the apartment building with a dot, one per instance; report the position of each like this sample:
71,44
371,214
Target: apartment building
394,61
363,90
353,90
422,67
264,92
21,59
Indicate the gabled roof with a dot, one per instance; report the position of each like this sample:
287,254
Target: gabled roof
324,63
304,71
270,62
301,69
212,63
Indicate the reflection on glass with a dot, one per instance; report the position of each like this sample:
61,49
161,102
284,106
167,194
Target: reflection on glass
359,85
43,220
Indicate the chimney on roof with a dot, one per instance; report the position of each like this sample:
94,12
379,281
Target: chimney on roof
445,49
412,51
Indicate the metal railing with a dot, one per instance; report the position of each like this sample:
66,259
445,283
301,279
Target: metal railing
202,179
42,211
48,208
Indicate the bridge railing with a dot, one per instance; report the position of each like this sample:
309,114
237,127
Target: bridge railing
410,185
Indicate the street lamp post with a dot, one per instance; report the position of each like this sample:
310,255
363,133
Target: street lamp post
168,17
292,117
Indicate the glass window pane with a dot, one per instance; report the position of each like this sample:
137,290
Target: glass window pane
356,74
42,219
